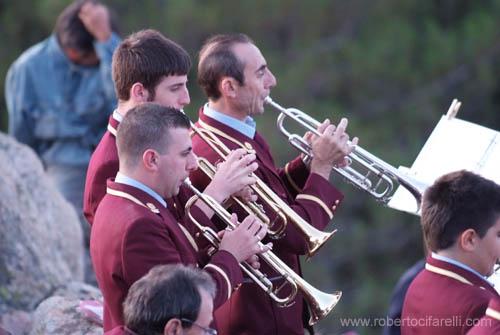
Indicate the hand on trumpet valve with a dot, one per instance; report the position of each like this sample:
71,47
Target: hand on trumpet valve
253,261
232,175
246,194
244,240
331,148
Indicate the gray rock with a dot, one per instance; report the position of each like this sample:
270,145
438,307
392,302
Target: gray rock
61,316
79,290
40,235
16,322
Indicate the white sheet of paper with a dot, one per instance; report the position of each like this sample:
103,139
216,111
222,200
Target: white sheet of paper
453,145
495,280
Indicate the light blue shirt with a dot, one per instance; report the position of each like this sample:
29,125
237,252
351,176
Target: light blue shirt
246,127
123,179
59,108
457,263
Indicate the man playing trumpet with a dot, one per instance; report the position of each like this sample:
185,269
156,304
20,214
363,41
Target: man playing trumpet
235,77
134,230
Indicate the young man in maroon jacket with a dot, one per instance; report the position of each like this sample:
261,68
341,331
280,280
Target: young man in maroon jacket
461,225
133,229
236,79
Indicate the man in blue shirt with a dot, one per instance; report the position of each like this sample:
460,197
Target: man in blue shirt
59,94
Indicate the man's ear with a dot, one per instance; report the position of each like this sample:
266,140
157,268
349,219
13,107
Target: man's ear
468,239
138,93
228,86
173,327
150,160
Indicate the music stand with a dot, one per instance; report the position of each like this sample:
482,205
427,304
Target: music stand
453,145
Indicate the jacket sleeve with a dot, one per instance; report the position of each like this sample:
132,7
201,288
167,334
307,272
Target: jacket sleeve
316,204
95,186
104,51
20,99
294,175
225,270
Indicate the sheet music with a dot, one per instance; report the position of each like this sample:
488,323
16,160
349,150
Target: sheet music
453,145
495,280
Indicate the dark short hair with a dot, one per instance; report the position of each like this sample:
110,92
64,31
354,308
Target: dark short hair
146,126
166,292
70,31
456,202
147,57
217,60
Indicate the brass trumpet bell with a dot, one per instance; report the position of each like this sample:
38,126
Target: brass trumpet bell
320,303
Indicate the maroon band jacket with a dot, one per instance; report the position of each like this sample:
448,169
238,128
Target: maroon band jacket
133,232
444,299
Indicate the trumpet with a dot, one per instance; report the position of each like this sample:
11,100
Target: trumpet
364,170
314,238
320,303
276,228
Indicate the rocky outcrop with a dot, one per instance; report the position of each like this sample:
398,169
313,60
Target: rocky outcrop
62,316
40,234
16,323
63,313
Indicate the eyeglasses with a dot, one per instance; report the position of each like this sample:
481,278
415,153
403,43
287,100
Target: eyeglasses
206,330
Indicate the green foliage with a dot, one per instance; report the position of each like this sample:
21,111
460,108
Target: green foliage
392,67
